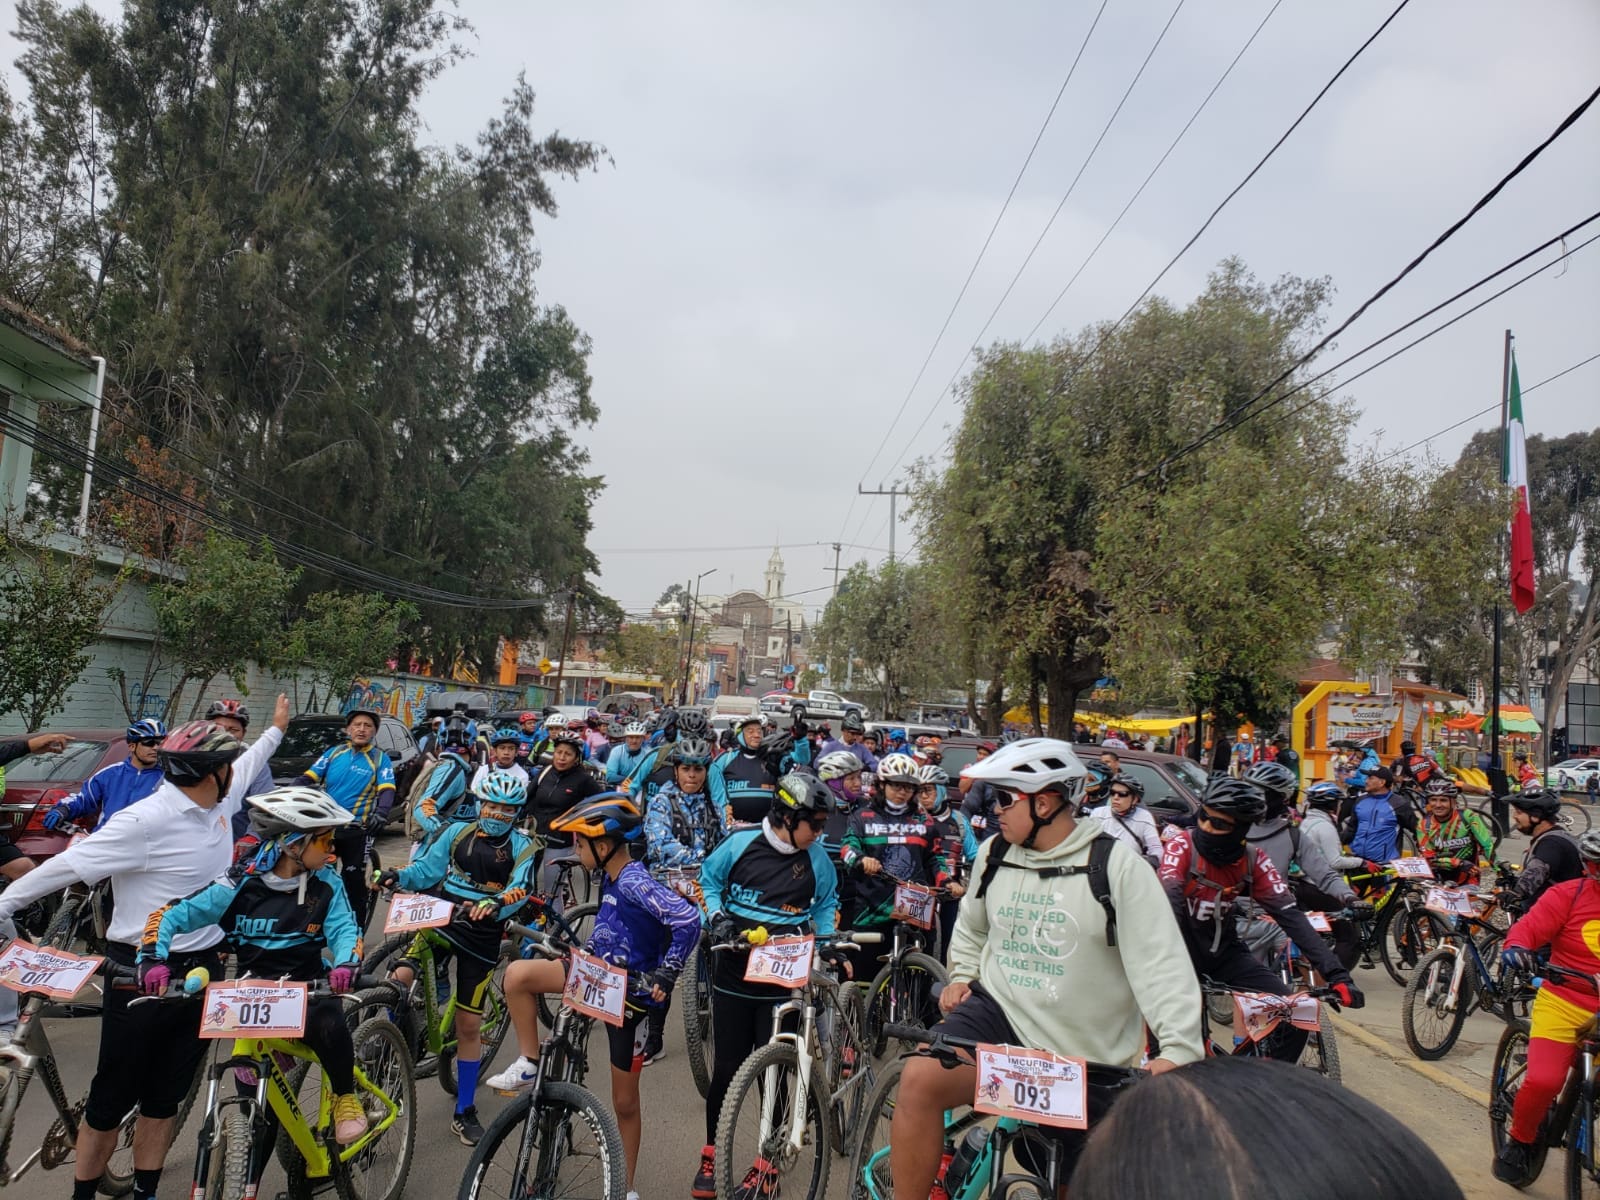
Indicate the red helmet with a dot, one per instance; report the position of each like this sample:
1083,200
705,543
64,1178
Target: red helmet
229,708
193,751
529,716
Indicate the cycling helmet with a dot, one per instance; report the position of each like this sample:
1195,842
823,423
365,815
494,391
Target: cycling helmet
615,731
555,721
229,708
1441,785
296,809
926,740
853,722
1033,765
1589,846
530,715
633,729
691,752
898,768
195,750
502,787
754,718
1408,747
502,736
146,729
932,773
837,765
1009,736
1277,781
692,723
652,722
1324,795
363,711
1236,798
800,795
1536,802
607,815
567,737
1128,781
1098,776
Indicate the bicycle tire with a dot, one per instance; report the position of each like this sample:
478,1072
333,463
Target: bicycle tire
1510,1065
383,1057
922,1009
1405,939
869,1177
59,934
1580,1145
492,1034
1574,818
697,1019
581,919
1424,992
560,1103
1321,1053
234,1149
1497,831
378,957
746,1154
847,1060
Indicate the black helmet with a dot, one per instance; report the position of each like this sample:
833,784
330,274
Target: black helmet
801,796
692,723
1129,782
1408,747
852,722
1537,802
1234,798
1276,780
193,751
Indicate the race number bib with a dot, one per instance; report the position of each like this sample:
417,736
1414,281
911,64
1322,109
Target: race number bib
914,904
685,883
1256,1014
244,1010
1033,1085
785,961
54,973
1320,922
1452,902
595,988
409,911
1412,868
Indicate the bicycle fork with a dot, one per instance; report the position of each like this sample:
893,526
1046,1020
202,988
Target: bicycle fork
794,1137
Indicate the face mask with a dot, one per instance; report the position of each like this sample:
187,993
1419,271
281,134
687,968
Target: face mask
1220,848
494,826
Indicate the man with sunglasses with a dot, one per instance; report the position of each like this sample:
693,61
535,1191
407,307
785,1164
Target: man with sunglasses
112,789
1127,819
1208,869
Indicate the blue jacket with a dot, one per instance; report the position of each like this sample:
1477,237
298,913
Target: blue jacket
622,763
741,783
680,830
1369,762
643,925
447,783
435,865
110,790
1377,831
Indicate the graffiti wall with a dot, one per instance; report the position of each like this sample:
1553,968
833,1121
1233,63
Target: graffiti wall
406,696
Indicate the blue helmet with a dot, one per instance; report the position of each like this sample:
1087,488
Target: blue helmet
501,787
145,730
502,736
1324,795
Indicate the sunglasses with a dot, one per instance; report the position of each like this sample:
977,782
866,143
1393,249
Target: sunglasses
1220,824
1123,794
1007,798
324,839
148,742
818,824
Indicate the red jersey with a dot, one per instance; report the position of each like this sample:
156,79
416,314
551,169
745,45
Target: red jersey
1566,917
1205,884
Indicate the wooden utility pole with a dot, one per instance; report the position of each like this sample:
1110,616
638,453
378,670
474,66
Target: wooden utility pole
566,638
837,549
891,492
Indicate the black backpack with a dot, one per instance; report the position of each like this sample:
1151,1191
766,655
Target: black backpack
1095,869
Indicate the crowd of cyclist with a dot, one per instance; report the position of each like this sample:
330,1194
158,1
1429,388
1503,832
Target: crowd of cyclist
787,829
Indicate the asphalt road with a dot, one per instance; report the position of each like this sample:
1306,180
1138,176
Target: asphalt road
1444,1103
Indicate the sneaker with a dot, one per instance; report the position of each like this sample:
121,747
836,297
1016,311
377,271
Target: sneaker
465,1126
518,1077
349,1119
1512,1165
705,1179
654,1052
760,1182
632,1196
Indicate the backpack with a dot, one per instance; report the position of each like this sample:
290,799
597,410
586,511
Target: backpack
1099,877
419,788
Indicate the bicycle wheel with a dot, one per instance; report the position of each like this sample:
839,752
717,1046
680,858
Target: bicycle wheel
1321,1053
1574,817
1497,831
1583,1172
567,1147
233,1152
696,1005
903,995
496,1021
1407,938
378,959
378,1170
1510,1066
1430,1022
869,1145
62,930
847,1067
581,919
753,1144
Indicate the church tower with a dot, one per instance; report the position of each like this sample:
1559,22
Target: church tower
774,576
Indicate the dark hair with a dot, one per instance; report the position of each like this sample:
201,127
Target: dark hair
1223,1121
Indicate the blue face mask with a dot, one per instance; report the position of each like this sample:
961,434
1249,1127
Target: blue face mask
494,826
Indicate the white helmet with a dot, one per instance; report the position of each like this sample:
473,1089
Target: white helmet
633,729
933,773
754,718
297,810
837,765
1033,765
898,768
556,721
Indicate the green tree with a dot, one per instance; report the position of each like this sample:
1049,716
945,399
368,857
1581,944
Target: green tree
52,605
228,610
650,651
340,637
879,619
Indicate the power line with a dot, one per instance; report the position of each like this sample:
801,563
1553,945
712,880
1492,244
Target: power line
1559,374
984,249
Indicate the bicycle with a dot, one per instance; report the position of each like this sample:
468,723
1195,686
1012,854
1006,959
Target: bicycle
237,1131
28,1054
903,992
695,984
1320,1052
1400,930
805,1089
1455,980
978,1149
561,1122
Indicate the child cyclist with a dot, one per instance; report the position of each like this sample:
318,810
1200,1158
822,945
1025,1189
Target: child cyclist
488,867
955,836
643,925
280,910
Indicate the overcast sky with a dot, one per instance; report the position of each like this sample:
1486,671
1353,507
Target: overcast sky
799,191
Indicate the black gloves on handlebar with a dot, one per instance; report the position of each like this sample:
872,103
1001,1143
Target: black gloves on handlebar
388,879
721,928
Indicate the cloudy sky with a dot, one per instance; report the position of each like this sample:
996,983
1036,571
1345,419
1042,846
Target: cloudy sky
798,192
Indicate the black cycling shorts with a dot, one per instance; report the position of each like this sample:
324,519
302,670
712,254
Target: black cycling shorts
472,973
627,1040
8,852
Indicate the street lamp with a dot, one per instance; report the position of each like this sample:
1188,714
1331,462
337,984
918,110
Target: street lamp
688,658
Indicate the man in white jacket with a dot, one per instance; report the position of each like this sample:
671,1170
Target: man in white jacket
169,845
1030,960
1127,819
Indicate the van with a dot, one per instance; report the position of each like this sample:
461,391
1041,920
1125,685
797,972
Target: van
734,706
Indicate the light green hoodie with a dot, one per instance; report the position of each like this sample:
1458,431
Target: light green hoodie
1039,947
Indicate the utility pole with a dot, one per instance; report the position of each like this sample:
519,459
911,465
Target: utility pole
566,639
837,549
688,664
892,492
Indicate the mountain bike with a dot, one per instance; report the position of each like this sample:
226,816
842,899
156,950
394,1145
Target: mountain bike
903,991
694,987
556,1138
1455,980
291,1106
1320,1053
1400,931
801,1092
984,1156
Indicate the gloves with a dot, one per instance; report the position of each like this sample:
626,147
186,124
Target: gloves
375,823
1361,908
1349,995
662,978
1519,960
388,879
1372,868
721,928
797,720
56,817
154,976
342,979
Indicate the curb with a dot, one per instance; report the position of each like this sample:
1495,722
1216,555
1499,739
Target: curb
1348,1028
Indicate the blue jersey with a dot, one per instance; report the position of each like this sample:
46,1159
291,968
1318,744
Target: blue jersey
445,797
623,762
360,780
110,790
740,878
643,925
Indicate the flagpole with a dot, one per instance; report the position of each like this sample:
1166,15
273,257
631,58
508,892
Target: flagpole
1499,785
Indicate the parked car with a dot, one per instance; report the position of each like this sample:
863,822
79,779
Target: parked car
1572,774
36,782
310,734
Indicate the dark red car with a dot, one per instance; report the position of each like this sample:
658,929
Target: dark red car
36,782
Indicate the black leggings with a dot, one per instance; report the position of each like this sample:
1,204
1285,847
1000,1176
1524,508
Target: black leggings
1346,937
350,844
738,1025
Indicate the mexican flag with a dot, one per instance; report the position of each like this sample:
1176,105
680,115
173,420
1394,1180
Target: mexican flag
1514,470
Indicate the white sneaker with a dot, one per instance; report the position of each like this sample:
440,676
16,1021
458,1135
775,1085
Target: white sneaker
633,1196
518,1077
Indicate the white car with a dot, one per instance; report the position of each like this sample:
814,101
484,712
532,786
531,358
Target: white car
1572,774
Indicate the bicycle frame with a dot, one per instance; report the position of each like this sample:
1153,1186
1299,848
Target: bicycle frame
808,1049
438,1021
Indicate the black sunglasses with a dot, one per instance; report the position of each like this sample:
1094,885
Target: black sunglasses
1220,824
1124,792
148,742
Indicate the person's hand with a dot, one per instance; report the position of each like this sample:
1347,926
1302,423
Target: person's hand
482,910
1372,868
1349,995
957,890
1160,1066
1518,959
375,823
870,865
280,712
342,979
47,743
388,879
154,977
56,817
721,928
1360,908
953,994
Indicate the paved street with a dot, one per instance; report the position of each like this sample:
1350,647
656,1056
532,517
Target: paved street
1443,1102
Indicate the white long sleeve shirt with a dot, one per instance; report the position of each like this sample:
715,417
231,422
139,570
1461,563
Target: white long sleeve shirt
1136,827
159,850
